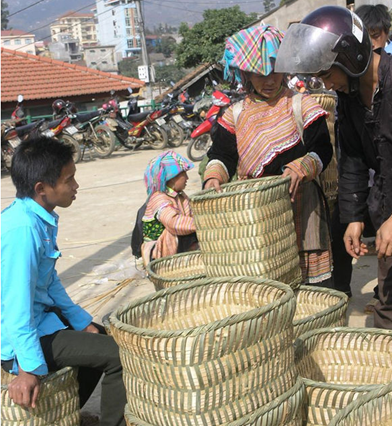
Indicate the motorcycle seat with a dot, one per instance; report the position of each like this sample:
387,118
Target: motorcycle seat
54,123
23,130
87,116
139,116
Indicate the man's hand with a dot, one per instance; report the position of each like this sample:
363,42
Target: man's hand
213,183
24,389
352,240
294,184
384,239
91,329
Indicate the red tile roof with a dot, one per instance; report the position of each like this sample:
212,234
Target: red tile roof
38,77
9,33
72,14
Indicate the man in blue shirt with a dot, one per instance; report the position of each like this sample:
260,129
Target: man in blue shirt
42,330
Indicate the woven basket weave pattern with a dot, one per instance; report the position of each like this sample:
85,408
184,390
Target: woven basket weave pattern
374,408
58,402
319,308
227,354
248,230
173,270
340,364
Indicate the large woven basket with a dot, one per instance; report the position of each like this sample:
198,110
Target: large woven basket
340,364
319,307
248,230
374,408
329,177
58,402
206,352
284,410
172,270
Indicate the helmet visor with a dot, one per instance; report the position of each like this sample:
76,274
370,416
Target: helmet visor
306,50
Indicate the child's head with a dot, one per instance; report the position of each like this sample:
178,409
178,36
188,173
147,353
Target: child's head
377,21
39,160
168,169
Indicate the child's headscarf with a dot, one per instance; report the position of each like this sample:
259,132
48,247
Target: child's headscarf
253,50
163,168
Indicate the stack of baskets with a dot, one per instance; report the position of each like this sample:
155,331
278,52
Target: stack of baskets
58,402
212,351
248,230
340,365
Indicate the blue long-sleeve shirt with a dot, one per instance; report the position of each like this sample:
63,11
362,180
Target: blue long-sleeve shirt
30,285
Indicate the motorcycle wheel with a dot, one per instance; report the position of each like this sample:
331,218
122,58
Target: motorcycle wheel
160,137
69,140
106,142
198,147
7,152
176,135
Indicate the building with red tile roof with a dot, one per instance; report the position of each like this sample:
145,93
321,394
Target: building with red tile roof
42,80
18,40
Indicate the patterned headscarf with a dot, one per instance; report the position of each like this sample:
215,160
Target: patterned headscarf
163,168
253,50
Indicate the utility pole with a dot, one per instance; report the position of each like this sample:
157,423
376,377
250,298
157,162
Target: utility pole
145,58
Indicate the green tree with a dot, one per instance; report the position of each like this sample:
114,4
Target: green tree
205,42
268,5
4,15
166,46
128,67
169,73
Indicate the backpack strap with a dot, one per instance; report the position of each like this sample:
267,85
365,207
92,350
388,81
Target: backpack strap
297,112
237,108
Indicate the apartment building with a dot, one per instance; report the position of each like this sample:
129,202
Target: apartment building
18,40
80,26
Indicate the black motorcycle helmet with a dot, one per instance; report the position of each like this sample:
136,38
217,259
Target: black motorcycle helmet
331,35
58,106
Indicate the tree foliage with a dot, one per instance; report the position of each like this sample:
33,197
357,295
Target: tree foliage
268,5
169,73
205,42
4,15
166,46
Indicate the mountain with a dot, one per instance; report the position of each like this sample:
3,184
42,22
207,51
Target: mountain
36,19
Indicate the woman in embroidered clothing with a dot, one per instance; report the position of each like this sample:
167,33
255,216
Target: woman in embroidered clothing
168,225
262,136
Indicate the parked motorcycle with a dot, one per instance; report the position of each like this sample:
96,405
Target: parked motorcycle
201,139
18,115
85,129
170,121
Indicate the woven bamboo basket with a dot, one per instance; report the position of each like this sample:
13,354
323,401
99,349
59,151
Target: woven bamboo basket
58,402
248,230
172,270
284,410
374,408
319,307
206,352
340,364
329,177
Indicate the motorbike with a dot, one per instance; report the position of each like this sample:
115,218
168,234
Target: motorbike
56,128
201,139
86,130
171,121
18,115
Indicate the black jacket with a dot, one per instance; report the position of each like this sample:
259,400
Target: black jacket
365,141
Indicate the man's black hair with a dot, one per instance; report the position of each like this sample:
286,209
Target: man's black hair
375,18
38,160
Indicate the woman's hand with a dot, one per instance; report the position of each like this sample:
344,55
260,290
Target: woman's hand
384,239
213,183
294,184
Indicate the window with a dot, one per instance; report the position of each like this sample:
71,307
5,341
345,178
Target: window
93,63
127,22
103,50
130,44
105,62
28,41
7,42
92,51
18,41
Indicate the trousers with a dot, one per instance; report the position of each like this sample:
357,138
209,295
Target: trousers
383,309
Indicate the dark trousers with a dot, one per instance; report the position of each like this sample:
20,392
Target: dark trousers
94,354
383,309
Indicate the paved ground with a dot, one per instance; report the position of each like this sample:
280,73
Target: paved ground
94,238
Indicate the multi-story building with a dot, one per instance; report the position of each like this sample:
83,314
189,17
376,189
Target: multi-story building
118,25
18,40
65,49
80,26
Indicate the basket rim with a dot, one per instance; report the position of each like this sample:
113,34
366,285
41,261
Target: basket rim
153,274
211,194
359,402
50,377
343,300
205,328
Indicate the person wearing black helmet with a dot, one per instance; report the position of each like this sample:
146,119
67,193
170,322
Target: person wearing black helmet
332,43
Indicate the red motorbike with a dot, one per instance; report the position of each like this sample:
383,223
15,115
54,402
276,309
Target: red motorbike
200,138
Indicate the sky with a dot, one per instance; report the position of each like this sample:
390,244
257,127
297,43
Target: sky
36,15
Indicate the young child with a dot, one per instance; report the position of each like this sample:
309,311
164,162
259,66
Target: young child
168,225
42,329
